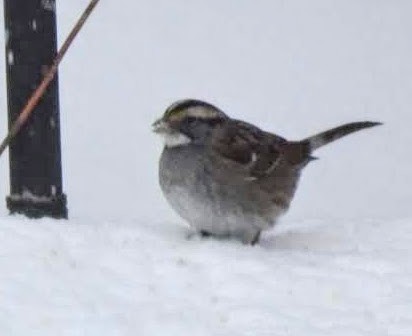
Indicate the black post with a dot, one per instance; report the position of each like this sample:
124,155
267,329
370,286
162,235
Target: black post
35,154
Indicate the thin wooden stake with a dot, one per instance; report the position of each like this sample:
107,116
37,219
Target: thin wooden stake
48,77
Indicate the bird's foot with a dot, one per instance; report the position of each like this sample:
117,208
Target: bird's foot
251,237
201,234
204,234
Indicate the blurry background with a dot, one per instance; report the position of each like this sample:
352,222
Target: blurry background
291,67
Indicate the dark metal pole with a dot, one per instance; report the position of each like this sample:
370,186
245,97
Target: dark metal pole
35,154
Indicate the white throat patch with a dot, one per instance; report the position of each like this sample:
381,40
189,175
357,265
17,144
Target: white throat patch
175,139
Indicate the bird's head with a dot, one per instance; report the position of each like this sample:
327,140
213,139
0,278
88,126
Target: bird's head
188,121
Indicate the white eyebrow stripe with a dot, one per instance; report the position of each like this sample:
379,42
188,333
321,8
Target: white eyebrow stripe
201,112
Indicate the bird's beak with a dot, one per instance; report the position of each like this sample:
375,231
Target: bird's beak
160,126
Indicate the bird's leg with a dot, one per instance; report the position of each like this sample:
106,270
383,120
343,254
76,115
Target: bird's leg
201,233
204,234
251,237
256,238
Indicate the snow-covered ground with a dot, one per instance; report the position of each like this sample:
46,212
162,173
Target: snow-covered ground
135,277
340,263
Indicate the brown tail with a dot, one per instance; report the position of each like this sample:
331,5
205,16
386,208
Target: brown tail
321,139
300,151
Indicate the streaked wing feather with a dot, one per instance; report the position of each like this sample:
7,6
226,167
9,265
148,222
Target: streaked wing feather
248,147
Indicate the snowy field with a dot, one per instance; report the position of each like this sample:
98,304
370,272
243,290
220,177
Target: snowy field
339,263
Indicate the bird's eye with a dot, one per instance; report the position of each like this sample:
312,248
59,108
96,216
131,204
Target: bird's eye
191,120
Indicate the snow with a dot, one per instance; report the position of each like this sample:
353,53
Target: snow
339,263
97,277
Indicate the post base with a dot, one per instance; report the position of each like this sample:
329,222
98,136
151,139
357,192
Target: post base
55,207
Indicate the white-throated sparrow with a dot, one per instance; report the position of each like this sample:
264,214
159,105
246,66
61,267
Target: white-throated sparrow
226,177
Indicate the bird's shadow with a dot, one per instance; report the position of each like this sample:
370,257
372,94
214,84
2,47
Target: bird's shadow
318,239
314,239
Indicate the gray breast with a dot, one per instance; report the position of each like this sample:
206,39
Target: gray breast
187,186
210,205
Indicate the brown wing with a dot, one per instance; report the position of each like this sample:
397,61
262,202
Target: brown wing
250,150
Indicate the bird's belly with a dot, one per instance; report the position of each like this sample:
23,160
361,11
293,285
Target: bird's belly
206,204
212,214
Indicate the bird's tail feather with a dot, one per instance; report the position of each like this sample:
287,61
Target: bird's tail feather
321,139
298,152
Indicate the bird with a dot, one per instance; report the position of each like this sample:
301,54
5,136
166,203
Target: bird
229,178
